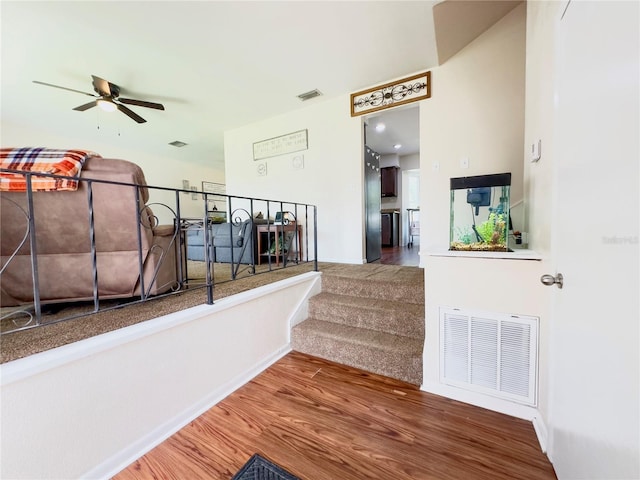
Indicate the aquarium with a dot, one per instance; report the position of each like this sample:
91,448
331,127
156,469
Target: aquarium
480,219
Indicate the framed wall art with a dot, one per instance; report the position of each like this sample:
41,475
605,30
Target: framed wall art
407,90
289,143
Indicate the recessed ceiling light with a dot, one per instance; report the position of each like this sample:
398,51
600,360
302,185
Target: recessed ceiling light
177,143
397,146
380,127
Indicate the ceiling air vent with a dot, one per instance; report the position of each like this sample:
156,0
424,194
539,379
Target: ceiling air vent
309,95
177,143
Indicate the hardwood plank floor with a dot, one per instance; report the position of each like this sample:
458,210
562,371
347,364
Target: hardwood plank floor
405,256
321,420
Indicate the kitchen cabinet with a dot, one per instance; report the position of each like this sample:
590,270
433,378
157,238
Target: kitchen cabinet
390,222
389,181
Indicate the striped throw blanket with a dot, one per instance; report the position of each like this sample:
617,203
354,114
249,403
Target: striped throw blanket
67,163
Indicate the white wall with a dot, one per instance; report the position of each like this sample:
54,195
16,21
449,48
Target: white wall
332,177
477,112
167,170
89,409
594,394
538,185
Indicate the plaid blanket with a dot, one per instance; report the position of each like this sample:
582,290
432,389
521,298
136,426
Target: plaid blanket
41,160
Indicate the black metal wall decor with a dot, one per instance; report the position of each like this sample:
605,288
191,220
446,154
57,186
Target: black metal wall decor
407,90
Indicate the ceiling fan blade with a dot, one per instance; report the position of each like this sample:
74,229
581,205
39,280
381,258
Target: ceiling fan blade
63,88
101,86
130,113
141,103
86,106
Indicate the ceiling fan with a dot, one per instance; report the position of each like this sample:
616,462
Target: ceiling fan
108,93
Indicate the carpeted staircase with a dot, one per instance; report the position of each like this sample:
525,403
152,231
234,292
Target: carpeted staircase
370,317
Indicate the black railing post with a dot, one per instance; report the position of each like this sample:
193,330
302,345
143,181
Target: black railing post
208,248
268,236
315,238
92,242
254,238
232,222
181,248
37,307
143,295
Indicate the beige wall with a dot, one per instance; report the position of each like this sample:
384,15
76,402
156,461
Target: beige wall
332,177
477,112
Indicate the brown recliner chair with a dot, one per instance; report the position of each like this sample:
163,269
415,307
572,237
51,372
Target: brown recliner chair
63,245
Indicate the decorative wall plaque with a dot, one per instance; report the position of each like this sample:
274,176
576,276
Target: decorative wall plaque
214,188
272,147
407,90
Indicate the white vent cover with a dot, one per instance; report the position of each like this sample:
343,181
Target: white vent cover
490,353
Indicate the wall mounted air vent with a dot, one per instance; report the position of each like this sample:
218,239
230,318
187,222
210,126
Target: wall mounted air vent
490,353
309,95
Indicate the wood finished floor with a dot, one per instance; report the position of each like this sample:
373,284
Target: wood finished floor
324,421
405,256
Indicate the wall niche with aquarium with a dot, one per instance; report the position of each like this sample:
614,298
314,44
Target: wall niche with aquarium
480,217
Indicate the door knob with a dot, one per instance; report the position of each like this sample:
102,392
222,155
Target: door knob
549,280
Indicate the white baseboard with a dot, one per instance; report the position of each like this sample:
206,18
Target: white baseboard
480,400
122,459
542,433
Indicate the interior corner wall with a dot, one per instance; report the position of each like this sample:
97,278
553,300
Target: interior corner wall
165,170
539,176
331,177
476,111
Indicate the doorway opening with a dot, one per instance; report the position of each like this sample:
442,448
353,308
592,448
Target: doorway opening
394,135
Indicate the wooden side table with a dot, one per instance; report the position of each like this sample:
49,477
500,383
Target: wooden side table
277,230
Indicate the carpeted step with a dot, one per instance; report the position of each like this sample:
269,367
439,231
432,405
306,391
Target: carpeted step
411,291
394,356
398,318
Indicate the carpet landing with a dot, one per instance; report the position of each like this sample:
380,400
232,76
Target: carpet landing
369,317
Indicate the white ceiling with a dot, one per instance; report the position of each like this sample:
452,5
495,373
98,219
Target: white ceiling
214,65
401,127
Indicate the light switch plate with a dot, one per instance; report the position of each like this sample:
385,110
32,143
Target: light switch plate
464,162
536,151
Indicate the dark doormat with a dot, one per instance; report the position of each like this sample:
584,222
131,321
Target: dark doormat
259,468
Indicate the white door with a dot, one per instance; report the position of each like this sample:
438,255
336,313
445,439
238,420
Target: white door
594,364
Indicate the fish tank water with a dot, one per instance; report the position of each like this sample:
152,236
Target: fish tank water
479,212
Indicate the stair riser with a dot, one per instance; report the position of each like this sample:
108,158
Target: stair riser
389,321
407,368
409,293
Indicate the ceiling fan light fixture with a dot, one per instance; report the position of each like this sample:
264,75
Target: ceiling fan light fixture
397,146
107,105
